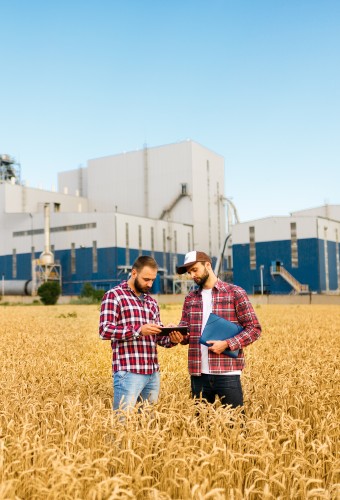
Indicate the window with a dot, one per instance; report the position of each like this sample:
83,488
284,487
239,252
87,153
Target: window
152,242
127,248
140,245
175,242
94,257
164,240
325,243
294,245
73,258
75,227
252,247
164,248
14,263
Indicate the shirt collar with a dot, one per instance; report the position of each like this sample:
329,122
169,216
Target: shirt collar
144,297
219,285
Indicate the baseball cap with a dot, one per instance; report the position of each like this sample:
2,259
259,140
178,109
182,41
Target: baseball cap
190,259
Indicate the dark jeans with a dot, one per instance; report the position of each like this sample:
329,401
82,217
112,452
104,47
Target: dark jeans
227,387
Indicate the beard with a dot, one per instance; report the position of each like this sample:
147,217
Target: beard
140,288
203,279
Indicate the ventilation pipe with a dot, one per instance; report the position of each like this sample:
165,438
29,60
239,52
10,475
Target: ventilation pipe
46,256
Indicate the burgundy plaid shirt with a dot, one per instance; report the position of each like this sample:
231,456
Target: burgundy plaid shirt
232,303
122,315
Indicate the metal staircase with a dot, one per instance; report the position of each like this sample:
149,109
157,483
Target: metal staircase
293,282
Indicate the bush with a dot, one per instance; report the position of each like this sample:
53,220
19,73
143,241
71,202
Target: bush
49,292
91,293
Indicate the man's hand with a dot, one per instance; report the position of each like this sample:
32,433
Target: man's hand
176,337
218,346
150,329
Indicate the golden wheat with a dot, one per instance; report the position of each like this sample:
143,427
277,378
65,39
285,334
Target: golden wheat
60,439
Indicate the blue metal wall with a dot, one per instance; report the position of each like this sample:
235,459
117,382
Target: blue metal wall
107,276
311,268
23,267
332,266
307,272
6,267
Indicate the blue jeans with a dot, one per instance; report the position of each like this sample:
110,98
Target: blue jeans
130,388
227,387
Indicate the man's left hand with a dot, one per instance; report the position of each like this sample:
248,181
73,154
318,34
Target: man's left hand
218,346
176,337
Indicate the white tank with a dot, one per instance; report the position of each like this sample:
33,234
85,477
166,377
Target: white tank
16,287
46,258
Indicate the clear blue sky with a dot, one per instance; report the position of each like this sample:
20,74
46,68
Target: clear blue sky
257,81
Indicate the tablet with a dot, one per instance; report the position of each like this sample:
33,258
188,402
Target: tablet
167,330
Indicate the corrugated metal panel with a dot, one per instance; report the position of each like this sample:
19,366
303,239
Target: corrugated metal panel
307,271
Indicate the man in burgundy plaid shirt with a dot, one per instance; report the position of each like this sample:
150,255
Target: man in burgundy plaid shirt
130,319
213,373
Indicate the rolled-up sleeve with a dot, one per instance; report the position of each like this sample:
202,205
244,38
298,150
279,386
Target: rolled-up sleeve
247,318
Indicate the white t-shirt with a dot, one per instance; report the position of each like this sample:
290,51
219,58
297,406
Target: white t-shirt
207,309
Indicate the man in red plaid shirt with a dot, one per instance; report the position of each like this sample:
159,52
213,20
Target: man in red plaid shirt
213,373
130,319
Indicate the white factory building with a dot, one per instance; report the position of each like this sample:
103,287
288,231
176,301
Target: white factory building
161,201
297,254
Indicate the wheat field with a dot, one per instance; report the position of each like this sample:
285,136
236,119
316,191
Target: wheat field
60,439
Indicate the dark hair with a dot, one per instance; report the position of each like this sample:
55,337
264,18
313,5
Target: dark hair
143,261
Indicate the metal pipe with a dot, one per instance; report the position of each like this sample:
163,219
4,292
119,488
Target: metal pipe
47,256
219,260
47,227
261,277
16,287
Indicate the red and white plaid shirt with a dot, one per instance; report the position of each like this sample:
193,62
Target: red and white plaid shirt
122,315
232,303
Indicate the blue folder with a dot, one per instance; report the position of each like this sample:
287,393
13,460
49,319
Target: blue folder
218,328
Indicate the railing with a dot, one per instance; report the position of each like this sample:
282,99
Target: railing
294,283
182,285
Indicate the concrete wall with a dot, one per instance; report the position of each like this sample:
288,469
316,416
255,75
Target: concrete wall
20,199
326,211
306,273
208,210
179,299
275,229
146,183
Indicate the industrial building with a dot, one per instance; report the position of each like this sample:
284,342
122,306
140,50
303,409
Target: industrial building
296,254
160,201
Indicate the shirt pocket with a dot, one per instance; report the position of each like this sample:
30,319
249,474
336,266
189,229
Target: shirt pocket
151,315
224,306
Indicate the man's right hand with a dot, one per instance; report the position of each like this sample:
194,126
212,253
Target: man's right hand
150,329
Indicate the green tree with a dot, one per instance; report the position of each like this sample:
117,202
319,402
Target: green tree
49,292
90,292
